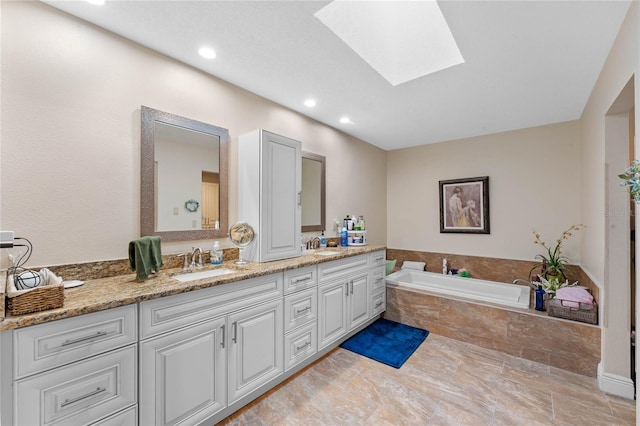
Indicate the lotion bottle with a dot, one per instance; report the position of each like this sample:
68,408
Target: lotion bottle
323,240
216,254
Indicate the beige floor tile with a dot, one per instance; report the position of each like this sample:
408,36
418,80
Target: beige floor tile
445,382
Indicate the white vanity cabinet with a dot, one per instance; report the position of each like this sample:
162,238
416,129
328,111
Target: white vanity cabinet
378,282
80,370
343,297
269,194
203,350
300,315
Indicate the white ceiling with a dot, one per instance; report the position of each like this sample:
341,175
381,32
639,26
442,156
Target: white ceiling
527,63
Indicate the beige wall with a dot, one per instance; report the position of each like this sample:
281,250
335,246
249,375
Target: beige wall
71,97
534,181
602,240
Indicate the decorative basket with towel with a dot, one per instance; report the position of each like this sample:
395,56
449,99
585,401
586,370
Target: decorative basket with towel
145,256
574,303
49,294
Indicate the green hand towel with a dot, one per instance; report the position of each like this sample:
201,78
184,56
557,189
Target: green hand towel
145,255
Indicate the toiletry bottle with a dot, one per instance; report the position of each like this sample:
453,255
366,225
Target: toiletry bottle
444,266
323,240
344,237
216,254
345,222
362,224
539,298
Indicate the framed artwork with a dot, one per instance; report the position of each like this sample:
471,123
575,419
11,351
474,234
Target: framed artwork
464,205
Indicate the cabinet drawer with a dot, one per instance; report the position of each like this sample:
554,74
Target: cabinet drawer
45,346
300,345
173,312
80,393
378,303
339,268
378,281
300,308
377,258
299,279
127,417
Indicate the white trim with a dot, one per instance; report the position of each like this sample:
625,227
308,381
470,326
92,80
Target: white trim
615,385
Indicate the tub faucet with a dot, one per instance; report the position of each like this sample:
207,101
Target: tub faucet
529,283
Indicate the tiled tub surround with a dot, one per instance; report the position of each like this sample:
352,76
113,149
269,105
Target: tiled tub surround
102,291
484,268
551,341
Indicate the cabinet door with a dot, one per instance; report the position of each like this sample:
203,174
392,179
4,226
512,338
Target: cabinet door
255,348
281,183
359,300
183,375
332,317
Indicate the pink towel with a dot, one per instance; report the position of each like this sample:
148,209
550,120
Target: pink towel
573,296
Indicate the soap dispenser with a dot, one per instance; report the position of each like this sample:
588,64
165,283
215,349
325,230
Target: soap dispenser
323,240
216,254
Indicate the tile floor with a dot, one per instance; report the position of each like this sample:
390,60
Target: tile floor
445,382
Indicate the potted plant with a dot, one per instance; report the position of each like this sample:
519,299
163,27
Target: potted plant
553,265
631,178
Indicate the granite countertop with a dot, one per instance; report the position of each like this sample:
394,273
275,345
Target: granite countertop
106,293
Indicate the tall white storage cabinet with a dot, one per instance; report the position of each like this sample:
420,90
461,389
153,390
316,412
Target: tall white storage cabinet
269,194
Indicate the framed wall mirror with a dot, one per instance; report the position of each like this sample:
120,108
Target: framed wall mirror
184,177
313,192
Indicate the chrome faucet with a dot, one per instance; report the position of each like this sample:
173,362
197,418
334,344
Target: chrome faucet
196,264
313,243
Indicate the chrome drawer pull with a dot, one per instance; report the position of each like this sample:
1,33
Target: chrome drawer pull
379,279
80,398
82,339
301,280
301,311
378,259
351,286
308,343
378,305
235,332
223,333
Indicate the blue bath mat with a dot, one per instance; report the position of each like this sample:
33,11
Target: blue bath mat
386,341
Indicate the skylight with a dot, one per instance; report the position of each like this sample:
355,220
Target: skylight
401,40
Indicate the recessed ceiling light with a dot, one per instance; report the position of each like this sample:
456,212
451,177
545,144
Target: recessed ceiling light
207,52
310,103
96,2
345,120
401,40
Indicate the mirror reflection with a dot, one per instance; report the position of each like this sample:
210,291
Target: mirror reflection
184,177
313,192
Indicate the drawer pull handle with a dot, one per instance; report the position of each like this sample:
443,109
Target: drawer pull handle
378,279
299,348
302,280
235,332
378,305
351,286
379,259
302,311
82,339
80,398
223,333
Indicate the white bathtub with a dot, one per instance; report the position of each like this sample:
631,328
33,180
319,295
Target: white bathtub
515,296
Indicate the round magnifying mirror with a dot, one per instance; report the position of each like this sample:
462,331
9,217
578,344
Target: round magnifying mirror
241,235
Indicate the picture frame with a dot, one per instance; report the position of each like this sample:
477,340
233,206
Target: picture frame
464,206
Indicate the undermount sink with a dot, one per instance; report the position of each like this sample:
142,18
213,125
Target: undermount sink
326,253
191,276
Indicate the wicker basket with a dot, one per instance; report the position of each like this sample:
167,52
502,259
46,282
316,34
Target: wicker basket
39,299
584,313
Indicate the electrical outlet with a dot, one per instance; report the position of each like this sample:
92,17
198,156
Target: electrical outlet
6,239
